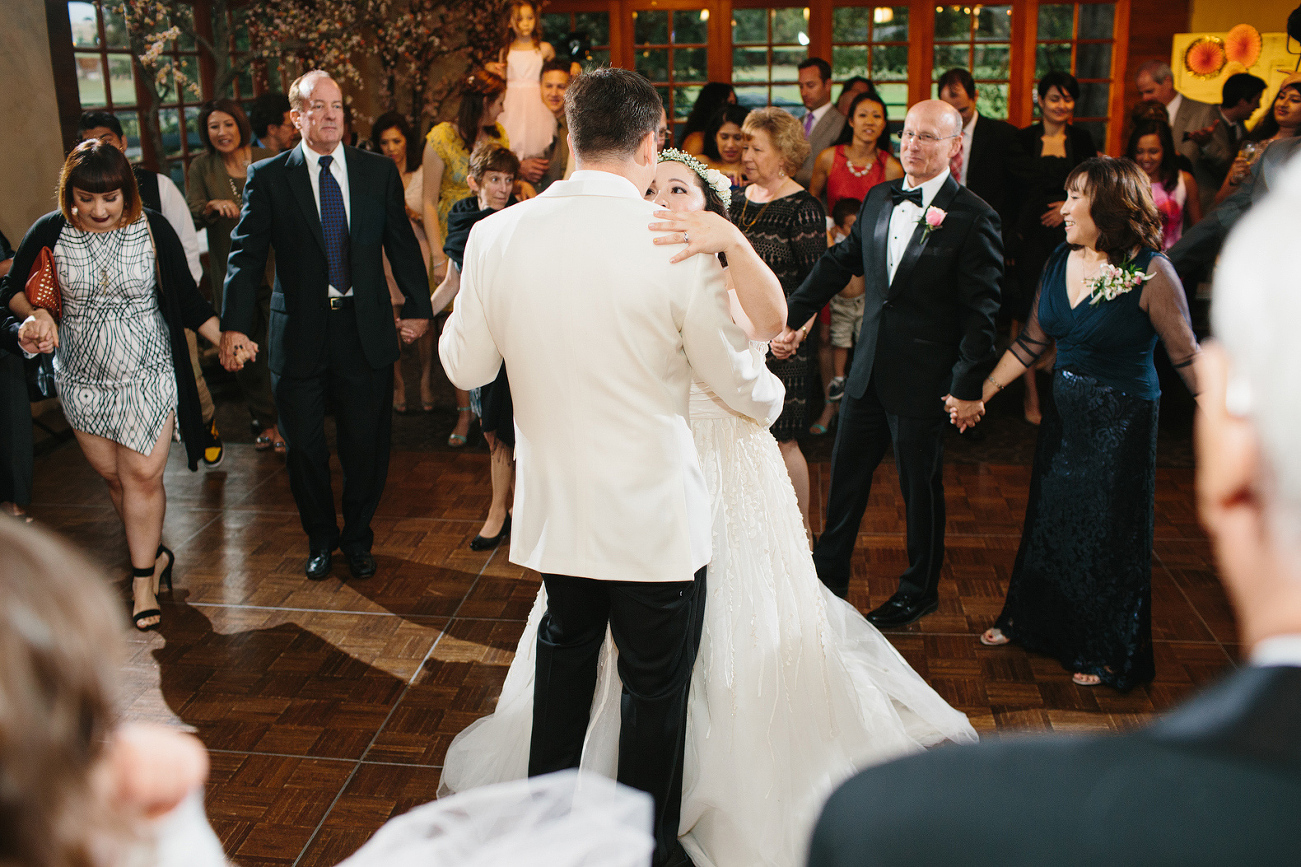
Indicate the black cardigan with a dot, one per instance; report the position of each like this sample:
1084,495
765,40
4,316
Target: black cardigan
178,298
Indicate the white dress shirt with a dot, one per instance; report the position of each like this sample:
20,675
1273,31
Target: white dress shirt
173,207
818,114
904,218
1278,650
1172,108
968,134
339,169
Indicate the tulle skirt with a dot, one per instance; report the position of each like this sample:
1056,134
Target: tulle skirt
793,690
530,126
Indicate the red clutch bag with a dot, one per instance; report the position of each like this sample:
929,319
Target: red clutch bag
42,287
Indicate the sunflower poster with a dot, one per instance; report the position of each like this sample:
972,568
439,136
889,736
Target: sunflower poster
1202,61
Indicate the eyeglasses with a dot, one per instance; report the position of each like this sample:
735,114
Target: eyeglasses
924,137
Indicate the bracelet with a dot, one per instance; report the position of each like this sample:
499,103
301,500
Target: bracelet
991,381
804,332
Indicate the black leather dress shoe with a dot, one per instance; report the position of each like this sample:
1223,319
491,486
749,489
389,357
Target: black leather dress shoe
901,610
361,564
318,564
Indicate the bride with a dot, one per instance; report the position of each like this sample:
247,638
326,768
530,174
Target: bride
793,690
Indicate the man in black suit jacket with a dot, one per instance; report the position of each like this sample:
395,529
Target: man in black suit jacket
932,294
993,164
1218,780
330,212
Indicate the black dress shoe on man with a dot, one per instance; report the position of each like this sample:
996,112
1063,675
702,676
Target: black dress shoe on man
361,564
900,610
318,564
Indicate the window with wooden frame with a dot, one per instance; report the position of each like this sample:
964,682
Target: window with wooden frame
872,41
671,48
1079,38
105,67
589,30
768,45
979,40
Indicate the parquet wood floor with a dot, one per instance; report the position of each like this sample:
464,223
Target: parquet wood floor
328,706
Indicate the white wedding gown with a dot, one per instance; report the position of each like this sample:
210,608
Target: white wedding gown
793,690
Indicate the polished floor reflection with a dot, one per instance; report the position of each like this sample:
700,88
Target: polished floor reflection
328,706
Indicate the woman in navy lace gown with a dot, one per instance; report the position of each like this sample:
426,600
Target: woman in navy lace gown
1081,586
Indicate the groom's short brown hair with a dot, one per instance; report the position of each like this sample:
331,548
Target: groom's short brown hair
609,112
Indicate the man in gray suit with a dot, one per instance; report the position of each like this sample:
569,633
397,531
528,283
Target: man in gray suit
822,120
1195,253
1190,120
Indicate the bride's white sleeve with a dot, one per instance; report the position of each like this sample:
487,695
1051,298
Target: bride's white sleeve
566,819
181,837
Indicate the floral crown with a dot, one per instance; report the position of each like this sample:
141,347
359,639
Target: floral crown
713,178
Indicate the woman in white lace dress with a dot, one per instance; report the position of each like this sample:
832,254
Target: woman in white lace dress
793,690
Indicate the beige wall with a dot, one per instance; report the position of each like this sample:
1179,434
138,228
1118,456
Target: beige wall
1217,16
31,150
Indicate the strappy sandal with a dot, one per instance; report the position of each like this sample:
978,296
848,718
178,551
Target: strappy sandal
994,637
457,440
164,577
1079,678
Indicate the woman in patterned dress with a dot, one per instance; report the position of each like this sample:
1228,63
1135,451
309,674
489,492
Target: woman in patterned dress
788,229
121,361
446,168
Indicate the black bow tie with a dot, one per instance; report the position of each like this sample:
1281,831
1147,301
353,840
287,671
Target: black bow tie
898,194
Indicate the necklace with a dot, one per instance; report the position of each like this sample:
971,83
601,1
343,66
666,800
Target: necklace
860,173
243,165
101,268
745,204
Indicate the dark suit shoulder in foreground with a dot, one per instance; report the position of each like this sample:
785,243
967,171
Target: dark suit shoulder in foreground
1216,782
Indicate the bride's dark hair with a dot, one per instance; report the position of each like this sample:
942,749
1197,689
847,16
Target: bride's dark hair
713,200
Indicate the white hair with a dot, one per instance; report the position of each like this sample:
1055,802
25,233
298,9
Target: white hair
1255,314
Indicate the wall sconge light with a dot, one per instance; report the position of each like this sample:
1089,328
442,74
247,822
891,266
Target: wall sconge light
704,14
803,38
883,14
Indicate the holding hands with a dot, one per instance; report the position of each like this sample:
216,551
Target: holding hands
411,330
963,413
784,345
236,350
38,333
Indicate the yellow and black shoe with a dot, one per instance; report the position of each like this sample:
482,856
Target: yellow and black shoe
213,451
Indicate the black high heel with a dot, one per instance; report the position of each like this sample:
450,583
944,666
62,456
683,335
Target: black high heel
144,572
166,574
483,543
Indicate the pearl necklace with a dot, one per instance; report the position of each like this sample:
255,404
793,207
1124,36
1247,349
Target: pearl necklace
859,173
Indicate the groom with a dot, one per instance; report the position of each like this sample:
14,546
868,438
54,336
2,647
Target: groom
610,502
931,256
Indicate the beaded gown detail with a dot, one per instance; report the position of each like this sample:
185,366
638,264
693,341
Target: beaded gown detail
113,366
792,691
529,124
1081,586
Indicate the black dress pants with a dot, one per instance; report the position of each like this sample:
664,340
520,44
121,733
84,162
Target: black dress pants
866,431
656,628
362,398
15,433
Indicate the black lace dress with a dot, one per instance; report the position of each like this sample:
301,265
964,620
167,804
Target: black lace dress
789,234
1081,588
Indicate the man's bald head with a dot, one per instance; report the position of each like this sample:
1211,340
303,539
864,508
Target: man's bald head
932,134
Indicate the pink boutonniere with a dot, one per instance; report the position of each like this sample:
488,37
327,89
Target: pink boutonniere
934,219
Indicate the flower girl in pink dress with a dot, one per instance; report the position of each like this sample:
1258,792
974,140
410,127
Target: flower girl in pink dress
530,126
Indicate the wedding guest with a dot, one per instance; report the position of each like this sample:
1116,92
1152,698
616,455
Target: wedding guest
992,164
556,162
1216,780
1055,147
725,143
215,192
493,169
852,87
15,412
391,136
1240,100
847,306
333,337
1081,587
712,97
822,122
121,362
861,159
159,193
446,165
1191,121
788,229
931,259
1282,121
77,786
272,127
1174,192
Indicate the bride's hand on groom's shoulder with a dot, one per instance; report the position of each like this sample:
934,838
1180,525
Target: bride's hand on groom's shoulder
700,231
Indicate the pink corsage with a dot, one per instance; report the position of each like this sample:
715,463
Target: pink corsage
934,219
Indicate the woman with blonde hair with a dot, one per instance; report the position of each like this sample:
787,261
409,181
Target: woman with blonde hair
788,229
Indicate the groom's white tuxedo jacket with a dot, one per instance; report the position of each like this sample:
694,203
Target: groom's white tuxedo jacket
601,337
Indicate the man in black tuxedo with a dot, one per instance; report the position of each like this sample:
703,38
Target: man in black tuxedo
330,212
992,162
1216,781
931,294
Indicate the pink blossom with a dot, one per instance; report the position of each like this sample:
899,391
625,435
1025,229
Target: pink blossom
935,217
